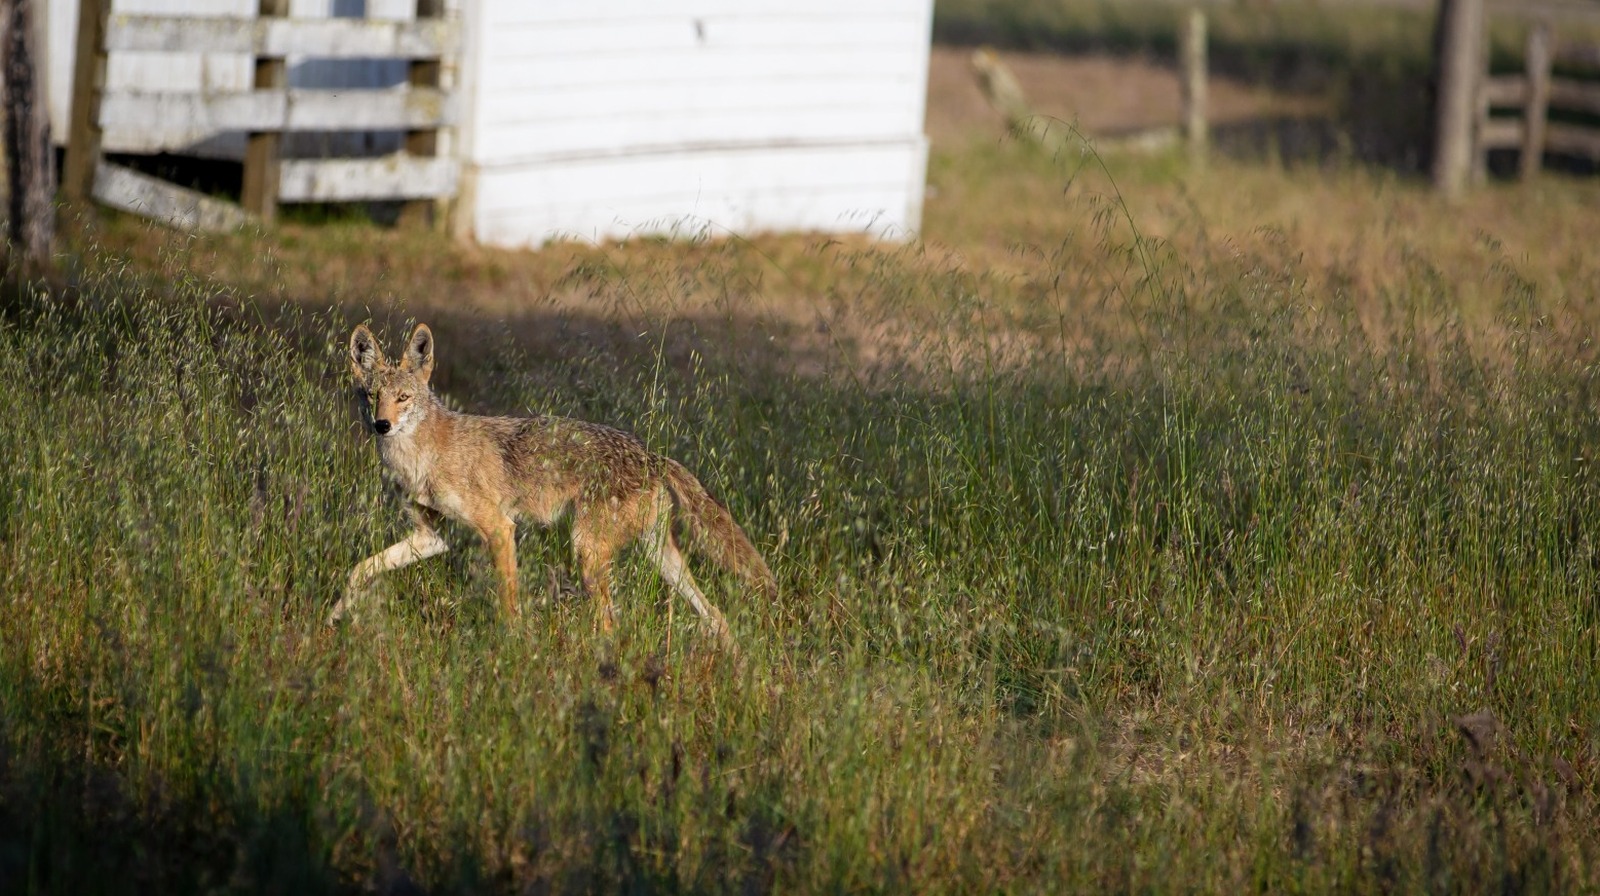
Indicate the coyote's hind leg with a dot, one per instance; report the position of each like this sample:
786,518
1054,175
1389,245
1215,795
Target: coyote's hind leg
594,547
664,552
594,565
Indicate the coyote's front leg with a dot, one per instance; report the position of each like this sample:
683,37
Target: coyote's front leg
500,534
422,543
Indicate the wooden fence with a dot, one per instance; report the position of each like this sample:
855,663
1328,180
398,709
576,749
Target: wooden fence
1479,112
1530,97
420,109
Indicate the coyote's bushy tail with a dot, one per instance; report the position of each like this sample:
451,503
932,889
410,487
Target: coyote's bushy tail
712,531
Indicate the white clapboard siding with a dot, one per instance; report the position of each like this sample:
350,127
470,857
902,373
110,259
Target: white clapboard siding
638,134
584,54
690,99
596,119
555,11
861,189
686,66
624,37
655,129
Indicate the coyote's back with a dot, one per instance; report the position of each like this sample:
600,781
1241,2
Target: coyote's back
489,472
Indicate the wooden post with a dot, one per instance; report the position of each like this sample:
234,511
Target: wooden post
1193,60
1537,113
260,191
1479,151
424,73
1001,90
30,159
1460,71
88,80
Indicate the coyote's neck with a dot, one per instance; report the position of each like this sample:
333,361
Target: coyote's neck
405,454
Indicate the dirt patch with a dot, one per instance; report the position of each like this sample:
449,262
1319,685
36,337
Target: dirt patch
1104,95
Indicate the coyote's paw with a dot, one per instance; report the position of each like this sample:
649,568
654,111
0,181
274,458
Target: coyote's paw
345,609
718,628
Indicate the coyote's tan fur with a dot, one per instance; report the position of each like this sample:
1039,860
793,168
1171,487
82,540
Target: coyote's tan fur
489,471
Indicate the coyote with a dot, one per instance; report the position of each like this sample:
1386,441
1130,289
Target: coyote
488,471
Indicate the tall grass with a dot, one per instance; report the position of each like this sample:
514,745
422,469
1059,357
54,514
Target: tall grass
1168,574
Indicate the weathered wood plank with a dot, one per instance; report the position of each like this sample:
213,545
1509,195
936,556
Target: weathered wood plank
399,176
1575,96
1563,11
1501,133
1569,139
1504,91
281,110
164,202
328,38
88,82
1577,54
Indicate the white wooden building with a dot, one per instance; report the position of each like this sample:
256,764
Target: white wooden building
595,119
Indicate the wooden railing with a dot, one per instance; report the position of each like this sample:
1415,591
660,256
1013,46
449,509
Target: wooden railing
1478,112
420,109
1514,110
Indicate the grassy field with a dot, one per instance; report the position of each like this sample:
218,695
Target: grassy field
1139,528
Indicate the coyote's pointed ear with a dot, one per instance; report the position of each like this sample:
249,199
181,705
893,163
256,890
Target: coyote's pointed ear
365,356
419,352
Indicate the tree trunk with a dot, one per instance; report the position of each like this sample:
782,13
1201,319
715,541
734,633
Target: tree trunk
30,160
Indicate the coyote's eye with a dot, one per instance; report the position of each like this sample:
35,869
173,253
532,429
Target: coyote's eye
403,397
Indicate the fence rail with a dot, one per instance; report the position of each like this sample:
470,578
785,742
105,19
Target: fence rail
1583,12
421,108
326,38
398,176
1515,109
1479,112
278,109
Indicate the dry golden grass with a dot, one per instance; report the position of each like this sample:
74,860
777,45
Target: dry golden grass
1001,220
